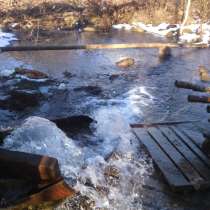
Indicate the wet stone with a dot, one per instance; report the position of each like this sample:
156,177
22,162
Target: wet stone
112,171
125,63
20,99
74,123
31,74
4,132
78,202
93,90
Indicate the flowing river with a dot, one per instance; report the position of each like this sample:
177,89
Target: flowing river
144,92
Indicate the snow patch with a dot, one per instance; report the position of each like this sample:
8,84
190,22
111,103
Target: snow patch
166,30
6,38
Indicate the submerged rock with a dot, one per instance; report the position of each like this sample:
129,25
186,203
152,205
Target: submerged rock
112,171
19,100
125,63
93,90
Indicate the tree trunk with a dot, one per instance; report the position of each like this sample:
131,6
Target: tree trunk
186,14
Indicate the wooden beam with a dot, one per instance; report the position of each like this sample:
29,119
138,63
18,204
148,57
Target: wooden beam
191,86
198,99
54,192
100,46
20,165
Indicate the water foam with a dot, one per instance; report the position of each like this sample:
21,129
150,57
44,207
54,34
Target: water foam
116,150
6,38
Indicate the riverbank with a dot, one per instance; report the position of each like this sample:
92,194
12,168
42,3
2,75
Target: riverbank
43,18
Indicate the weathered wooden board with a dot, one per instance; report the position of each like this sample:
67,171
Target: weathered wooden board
177,153
53,192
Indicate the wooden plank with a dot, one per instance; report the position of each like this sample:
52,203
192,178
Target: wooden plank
53,192
191,174
192,145
196,137
186,152
173,175
145,125
20,165
191,86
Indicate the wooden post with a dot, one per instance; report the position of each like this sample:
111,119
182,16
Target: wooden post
191,86
198,99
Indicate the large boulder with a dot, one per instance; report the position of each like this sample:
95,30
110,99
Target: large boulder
73,123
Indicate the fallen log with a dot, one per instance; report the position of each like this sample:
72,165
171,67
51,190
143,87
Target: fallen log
198,99
191,86
101,46
20,165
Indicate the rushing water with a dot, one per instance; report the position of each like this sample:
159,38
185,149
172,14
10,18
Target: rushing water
142,93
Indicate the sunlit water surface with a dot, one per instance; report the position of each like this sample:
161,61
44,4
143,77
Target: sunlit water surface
142,93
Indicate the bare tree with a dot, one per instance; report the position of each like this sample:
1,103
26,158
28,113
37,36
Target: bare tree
185,17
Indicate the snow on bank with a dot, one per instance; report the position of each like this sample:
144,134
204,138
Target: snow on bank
190,32
6,38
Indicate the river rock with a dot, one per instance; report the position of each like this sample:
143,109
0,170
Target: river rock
125,62
31,74
73,123
93,90
19,100
112,171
